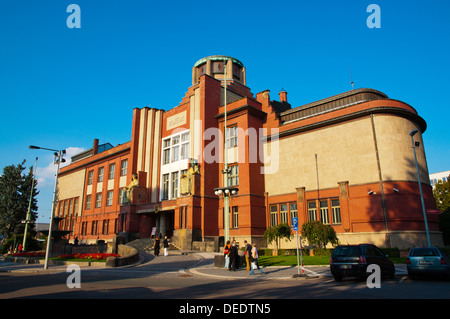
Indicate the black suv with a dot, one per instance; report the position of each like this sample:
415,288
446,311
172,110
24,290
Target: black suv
352,261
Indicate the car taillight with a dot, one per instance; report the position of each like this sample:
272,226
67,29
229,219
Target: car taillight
443,262
408,261
362,260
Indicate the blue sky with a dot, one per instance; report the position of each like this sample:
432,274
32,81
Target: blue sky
61,88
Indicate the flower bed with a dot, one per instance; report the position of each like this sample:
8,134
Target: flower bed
95,256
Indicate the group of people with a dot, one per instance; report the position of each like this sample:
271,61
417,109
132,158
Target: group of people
157,247
251,256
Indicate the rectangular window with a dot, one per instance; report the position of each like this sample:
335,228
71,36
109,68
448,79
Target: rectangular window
121,196
94,227
324,212
233,177
183,217
109,198
293,210
75,207
105,230
88,202
70,207
112,171
232,138
235,218
100,174
184,151
66,205
283,214
166,156
165,190
98,200
174,184
312,210
175,153
336,211
84,228
90,177
273,215
123,168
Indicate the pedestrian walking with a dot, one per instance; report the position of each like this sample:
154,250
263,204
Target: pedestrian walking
166,246
156,246
248,252
233,256
226,252
255,260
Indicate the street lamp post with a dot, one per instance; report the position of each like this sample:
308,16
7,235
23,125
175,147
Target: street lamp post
412,133
58,159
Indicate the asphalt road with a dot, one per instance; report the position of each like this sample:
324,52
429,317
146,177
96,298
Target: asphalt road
193,279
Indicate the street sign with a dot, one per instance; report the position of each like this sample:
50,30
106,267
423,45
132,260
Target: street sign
433,211
295,223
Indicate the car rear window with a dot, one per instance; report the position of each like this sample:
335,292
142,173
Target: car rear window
348,251
423,252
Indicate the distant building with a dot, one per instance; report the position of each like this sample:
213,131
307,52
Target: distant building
345,160
440,176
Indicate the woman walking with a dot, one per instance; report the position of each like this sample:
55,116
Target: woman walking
255,260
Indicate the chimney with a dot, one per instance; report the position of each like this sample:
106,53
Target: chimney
95,147
283,96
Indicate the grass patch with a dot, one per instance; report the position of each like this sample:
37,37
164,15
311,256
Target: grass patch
307,260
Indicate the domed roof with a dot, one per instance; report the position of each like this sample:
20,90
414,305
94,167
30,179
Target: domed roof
218,58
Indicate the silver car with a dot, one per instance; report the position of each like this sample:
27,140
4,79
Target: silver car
427,260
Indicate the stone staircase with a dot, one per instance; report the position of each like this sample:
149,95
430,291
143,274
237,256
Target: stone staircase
146,244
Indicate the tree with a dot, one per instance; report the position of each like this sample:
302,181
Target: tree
319,234
441,193
15,191
276,233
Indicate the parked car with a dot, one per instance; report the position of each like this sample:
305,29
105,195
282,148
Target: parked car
427,260
352,261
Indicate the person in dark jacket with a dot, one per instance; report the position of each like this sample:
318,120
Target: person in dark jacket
166,246
156,246
233,254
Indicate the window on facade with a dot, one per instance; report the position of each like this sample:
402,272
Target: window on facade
94,227
84,228
233,177
312,211
166,156
165,190
232,138
283,214
75,207
183,216
335,211
174,184
66,205
235,219
324,212
273,215
121,196
112,171
70,207
98,200
293,210
123,167
100,174
90,177
105,228
109,198
88,202
175,153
